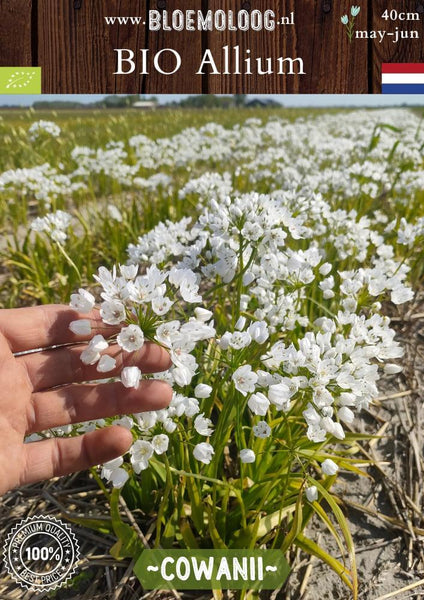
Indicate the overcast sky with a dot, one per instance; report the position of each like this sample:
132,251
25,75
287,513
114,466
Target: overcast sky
287,100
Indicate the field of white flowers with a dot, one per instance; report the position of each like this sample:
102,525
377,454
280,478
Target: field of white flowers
268,256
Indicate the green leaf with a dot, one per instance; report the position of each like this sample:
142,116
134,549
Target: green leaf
313,549
344,526
274,519
196,504
187,534
323,515
132,492
169,533
296,527
218,543
101,525
128,544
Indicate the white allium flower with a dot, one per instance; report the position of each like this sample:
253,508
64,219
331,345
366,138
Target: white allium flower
118,478
98,343
160,443
169,425
124,421
114,213
392,368
258,404
83,302
141,452
240,324
113,472
113,464
346,415
130,377
325,269
247,456
147,420
311,493
279,394
202,314
106,364
131,338
202,390
224,342
240,339
262,429
191,406
203,452
401,294
112,312
329,467
80,327
161,305
34,437
244,379
259,332
182,375
203,425
129,272
42,127
54,224
89,356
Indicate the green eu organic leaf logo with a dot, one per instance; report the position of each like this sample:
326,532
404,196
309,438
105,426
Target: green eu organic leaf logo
20,80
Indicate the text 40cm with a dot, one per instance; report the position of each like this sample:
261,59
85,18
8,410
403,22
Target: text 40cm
394,15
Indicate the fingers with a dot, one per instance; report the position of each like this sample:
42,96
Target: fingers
51,368
4,348
44,326
76,403
60,456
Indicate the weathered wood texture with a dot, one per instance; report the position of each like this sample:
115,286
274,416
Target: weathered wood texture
332,65
187,43
70,40
16,18
76,47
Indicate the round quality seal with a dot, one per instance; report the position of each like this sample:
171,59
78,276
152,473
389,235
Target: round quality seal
40,553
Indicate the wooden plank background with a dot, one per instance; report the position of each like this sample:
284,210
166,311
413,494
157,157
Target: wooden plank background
16,23
71,42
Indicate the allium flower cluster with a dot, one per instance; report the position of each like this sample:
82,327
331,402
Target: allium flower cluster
269,304
144,308
43,128
55,225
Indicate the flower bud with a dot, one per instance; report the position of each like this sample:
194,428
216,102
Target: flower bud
247,456
329,467
312,493
202,390
130,377
106,364
80,327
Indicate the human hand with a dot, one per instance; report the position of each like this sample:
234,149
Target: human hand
45,389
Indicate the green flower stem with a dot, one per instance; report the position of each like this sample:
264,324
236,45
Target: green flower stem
99,482
69,260
164,501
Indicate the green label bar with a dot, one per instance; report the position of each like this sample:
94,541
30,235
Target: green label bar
211,569
20,80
